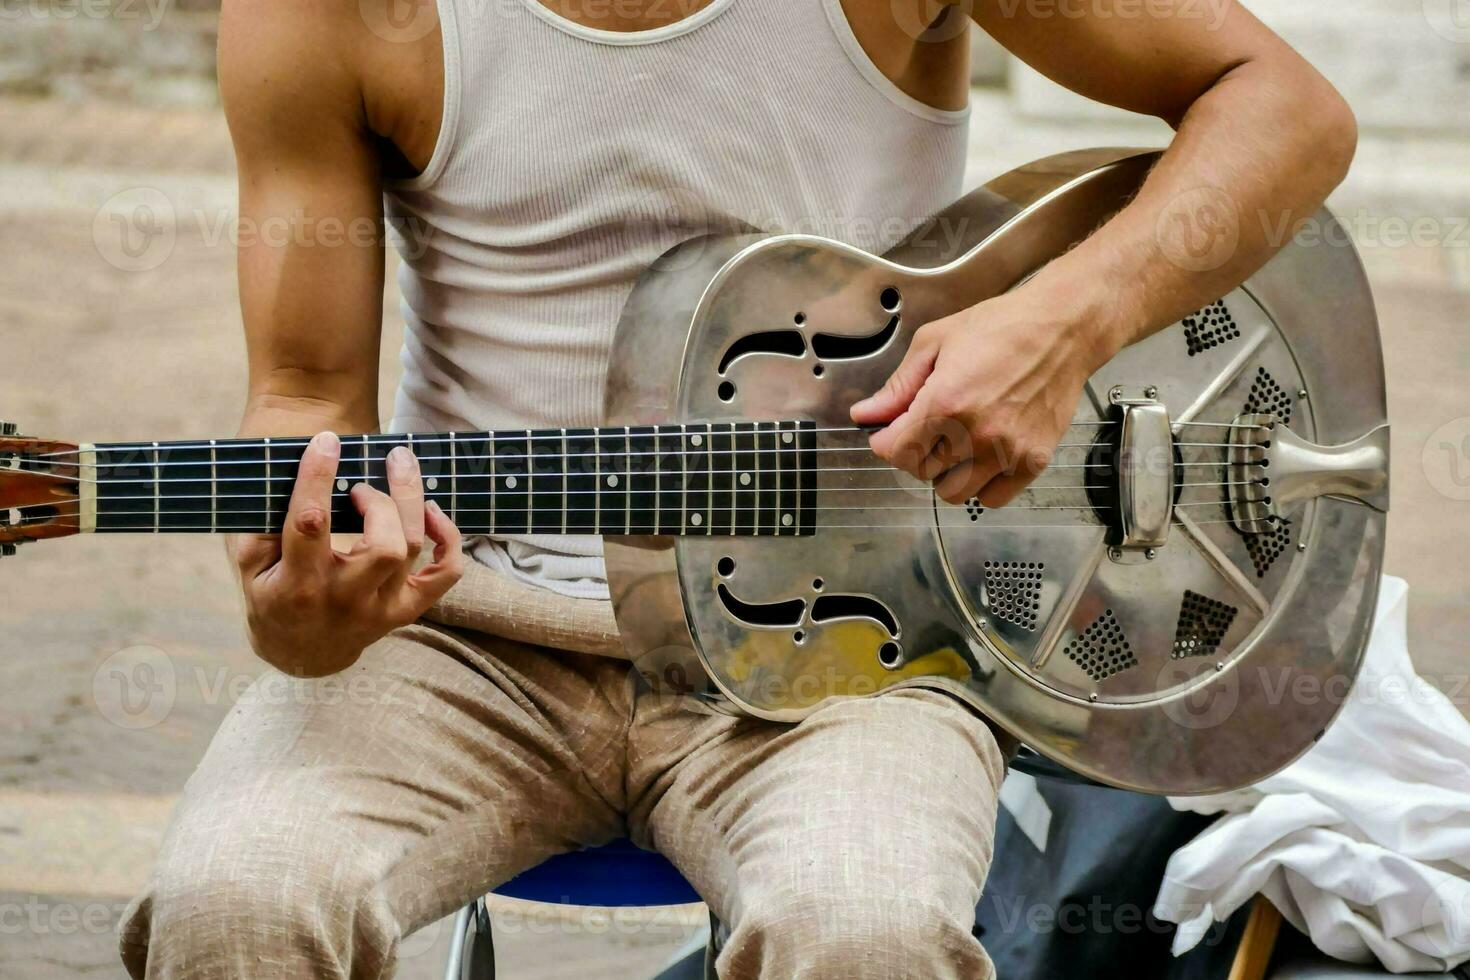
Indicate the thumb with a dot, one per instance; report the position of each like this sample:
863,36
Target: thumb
898,392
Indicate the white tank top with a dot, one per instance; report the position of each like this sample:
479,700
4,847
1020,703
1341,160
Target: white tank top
570,158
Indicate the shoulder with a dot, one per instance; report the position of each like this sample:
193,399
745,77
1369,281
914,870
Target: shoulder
304,64
289,53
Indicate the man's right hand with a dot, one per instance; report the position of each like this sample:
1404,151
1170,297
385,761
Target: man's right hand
311,610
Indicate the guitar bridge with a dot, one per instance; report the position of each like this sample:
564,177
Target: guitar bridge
1132,476
1271,469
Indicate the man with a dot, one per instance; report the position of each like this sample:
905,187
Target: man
536,155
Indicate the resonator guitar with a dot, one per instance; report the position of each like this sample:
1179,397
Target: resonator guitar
1204,548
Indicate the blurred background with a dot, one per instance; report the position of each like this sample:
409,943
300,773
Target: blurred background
116,329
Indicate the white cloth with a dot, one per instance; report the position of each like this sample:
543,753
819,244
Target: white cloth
1364,842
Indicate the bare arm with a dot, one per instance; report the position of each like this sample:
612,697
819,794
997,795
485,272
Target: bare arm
311,287
313,311
1262,138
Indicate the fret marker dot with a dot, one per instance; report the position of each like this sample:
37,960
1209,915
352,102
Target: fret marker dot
696,519
342,485
612,481
786,437
510,483
785,520
696,441
432,483
745,479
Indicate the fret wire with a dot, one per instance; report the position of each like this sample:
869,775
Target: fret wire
780,485
494,473
798,489
453,476
266,479
627,479
696,483
780,509
684,478
727,431
709,512
530,496
756,472
157,491
565,481
781,481
367,461
597,478
773,474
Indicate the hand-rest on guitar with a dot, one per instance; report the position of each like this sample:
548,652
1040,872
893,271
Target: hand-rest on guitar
1175,606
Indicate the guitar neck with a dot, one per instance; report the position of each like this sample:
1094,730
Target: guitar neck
720,478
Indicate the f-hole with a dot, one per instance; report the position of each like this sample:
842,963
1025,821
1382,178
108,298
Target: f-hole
830,607
765,615
832,347
783,343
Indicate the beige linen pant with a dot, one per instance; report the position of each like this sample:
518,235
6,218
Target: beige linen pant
329,819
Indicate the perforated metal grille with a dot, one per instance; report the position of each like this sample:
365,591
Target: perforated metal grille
1013,591
1102,650
973,508
1268,396
1210,327
1265,548
1203,623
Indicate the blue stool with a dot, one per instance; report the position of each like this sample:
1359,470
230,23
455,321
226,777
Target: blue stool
616,875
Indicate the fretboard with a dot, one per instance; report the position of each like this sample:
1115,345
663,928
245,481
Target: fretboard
720,478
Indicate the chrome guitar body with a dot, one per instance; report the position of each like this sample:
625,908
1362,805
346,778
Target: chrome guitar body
1194,644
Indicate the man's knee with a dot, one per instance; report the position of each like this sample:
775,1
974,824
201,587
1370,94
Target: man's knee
225,898
865,937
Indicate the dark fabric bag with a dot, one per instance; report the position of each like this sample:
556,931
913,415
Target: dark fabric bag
1083,908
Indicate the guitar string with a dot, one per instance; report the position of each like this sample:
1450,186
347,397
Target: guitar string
684,509
713,532
535,517
569,474
655,474
784,450
300,442
621,491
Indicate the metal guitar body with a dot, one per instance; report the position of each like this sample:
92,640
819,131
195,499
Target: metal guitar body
1200,647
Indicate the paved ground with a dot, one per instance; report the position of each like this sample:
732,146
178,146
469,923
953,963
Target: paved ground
95,350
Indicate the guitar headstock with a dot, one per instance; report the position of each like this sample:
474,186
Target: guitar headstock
39,489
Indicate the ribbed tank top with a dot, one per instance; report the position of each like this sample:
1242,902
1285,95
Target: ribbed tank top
570,158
